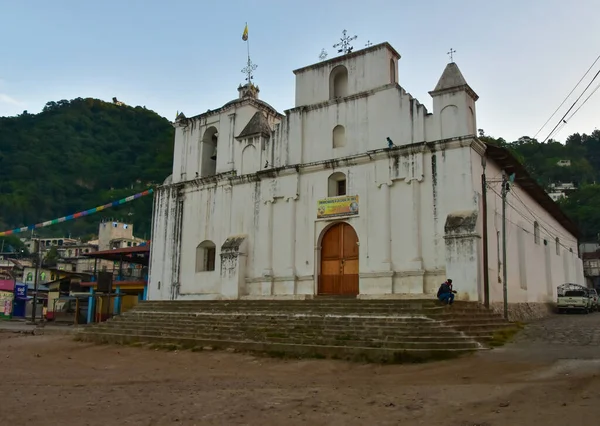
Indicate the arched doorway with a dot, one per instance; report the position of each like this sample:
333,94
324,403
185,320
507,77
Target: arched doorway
339,261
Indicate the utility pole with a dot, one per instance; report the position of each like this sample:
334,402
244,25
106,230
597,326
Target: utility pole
35,282
505,189
486,277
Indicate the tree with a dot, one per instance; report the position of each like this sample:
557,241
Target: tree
51,256
583,206
13,244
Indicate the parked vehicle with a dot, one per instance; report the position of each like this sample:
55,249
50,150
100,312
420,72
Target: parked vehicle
593,299
574,300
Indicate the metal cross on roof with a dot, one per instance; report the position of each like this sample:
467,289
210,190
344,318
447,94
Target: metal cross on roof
451,53
249,69
369,44
344,45
322,55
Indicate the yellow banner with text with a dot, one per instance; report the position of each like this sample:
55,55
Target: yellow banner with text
346,205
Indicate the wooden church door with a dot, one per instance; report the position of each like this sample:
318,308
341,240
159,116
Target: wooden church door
339,261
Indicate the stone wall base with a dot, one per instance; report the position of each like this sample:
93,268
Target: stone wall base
524,312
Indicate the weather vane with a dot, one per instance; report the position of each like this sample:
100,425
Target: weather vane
369,44
344,45
248,70
451,53
322,55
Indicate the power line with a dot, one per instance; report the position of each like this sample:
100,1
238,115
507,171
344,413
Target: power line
565,121
586,99
533,222
556,231
567,97
536,219
569,110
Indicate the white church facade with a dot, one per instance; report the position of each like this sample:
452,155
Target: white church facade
356,190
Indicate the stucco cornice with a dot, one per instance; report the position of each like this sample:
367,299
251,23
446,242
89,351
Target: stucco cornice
463,88
336,101
232,178
338,59
260,105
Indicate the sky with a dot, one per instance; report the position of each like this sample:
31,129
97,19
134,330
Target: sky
521,57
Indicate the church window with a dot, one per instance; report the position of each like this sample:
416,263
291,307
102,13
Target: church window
392,71
336,185
557,240
205,256
536,232
339,136
338,82
208,167
341,187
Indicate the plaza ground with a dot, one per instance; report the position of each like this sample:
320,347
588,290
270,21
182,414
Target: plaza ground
550,375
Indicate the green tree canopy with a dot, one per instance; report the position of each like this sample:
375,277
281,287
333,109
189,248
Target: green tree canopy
79,154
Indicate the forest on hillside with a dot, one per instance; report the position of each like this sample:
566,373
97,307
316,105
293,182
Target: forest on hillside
79,154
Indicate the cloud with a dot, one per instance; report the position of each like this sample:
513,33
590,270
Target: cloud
5,99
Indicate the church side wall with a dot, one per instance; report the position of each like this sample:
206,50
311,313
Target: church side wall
534,269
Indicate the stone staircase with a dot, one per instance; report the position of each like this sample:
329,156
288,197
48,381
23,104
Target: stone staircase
370,330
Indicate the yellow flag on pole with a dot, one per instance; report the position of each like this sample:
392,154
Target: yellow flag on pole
245,33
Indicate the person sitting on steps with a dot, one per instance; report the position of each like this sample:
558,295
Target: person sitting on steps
445,293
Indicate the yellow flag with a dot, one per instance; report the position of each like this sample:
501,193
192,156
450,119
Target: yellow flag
245,33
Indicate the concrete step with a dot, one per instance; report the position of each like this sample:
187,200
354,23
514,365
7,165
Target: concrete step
308,306
285,322
369,354
378,330
459,322
365,332
369,332
319,340
477,327
403,335
224,316
361,305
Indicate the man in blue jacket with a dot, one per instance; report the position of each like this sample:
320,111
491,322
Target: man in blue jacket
445,293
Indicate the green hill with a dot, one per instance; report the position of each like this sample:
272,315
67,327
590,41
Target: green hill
79,154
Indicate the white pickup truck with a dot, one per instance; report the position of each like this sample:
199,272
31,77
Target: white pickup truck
574,300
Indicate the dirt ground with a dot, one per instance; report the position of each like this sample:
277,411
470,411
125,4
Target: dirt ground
52,380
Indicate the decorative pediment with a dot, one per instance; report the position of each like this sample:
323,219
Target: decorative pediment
257,126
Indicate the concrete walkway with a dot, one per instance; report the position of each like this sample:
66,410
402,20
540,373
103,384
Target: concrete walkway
558,337
42,328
